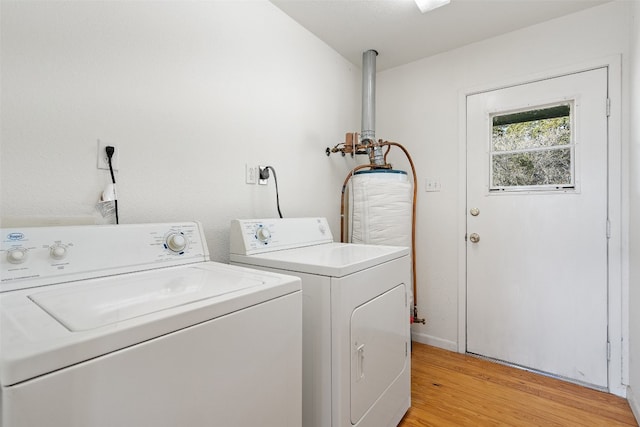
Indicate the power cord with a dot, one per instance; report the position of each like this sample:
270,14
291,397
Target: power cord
264,174
110,150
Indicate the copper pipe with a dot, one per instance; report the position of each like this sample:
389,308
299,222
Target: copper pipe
413,226
385,155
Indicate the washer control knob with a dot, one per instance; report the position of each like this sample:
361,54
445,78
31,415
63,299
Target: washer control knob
263,234
58,252
17,255
176,242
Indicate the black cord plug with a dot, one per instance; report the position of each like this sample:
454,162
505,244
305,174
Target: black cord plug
264,172
110,150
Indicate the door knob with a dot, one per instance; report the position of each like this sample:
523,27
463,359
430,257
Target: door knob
474,211
474,237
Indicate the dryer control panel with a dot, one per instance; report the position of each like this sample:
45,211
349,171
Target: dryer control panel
37,256
254,236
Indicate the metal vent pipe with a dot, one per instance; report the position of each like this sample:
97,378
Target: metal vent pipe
368,132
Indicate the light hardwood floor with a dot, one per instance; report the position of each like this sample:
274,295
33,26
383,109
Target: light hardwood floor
452,389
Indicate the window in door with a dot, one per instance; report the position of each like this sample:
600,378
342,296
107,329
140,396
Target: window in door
533,149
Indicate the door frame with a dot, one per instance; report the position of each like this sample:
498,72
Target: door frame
617,247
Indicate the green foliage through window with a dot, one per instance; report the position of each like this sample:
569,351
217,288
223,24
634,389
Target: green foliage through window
532,149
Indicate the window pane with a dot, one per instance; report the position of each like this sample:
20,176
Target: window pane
546,127
531,168
533,148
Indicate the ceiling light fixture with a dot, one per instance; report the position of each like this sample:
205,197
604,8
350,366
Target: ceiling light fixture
427,5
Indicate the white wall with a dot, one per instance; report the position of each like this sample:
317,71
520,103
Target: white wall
419,105
634,215
188,92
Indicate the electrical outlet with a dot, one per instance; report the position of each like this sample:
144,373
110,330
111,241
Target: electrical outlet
251,174
103,160
432,185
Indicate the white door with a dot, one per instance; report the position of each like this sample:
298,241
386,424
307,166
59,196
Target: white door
537,226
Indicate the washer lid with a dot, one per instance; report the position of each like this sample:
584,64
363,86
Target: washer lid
331,259
104,302
50,328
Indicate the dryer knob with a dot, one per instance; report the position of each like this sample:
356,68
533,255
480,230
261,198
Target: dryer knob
176,242
58,252
263,234
17,255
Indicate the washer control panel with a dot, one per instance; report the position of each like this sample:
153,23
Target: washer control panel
254,236
37,256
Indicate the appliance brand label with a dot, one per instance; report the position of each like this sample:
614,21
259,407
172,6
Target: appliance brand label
15,236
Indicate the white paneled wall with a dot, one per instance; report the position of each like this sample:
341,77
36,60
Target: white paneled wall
189,92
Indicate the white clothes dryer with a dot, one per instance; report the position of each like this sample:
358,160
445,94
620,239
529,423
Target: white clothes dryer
356,332
132,325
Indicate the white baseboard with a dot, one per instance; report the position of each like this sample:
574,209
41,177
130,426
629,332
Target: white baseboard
434,341
634,403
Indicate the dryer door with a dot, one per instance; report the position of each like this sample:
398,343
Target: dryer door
378,348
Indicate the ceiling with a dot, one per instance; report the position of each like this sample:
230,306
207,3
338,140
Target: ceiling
401,34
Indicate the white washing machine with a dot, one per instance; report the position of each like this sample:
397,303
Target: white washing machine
356,336
133,326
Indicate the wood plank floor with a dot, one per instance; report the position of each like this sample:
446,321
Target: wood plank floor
452,389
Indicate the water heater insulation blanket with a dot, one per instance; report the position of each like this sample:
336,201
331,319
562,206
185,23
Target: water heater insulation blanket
381,209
